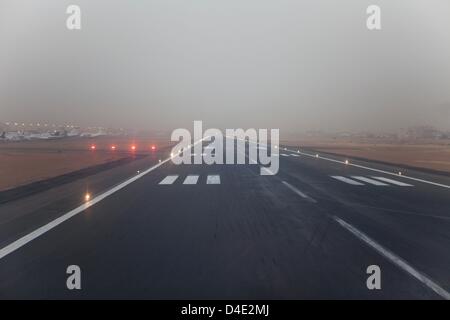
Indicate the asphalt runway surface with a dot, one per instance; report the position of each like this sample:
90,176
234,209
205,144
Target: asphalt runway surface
156,230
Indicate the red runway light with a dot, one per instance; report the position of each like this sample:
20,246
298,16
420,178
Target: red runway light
93,147
113,147
133,148
153,147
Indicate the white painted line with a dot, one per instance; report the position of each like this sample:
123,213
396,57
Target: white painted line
298,192
347,180
40,231
364,167
370,181
399,262
295,155
398,183
213,179
285,155
169,180
375,170
191,179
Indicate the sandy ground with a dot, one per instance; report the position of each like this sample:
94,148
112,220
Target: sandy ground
422,154
30,161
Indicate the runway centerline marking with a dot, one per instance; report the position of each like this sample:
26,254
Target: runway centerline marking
399,262
298,192
15,245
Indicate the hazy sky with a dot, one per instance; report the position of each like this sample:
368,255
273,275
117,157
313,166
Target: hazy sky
160,64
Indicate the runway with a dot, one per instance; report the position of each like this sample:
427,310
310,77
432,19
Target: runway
156,230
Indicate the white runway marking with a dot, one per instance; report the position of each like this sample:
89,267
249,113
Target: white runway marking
294,155
347,180
399,262
384,252
213,179
370,181
375,170
298,192
360,166
398,183
285,155
191,179
169,180
40,231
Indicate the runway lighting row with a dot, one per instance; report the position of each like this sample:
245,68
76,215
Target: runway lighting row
114,147
348,162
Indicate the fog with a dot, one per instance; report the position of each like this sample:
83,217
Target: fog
294,65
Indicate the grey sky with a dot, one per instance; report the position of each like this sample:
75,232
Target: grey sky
160,64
